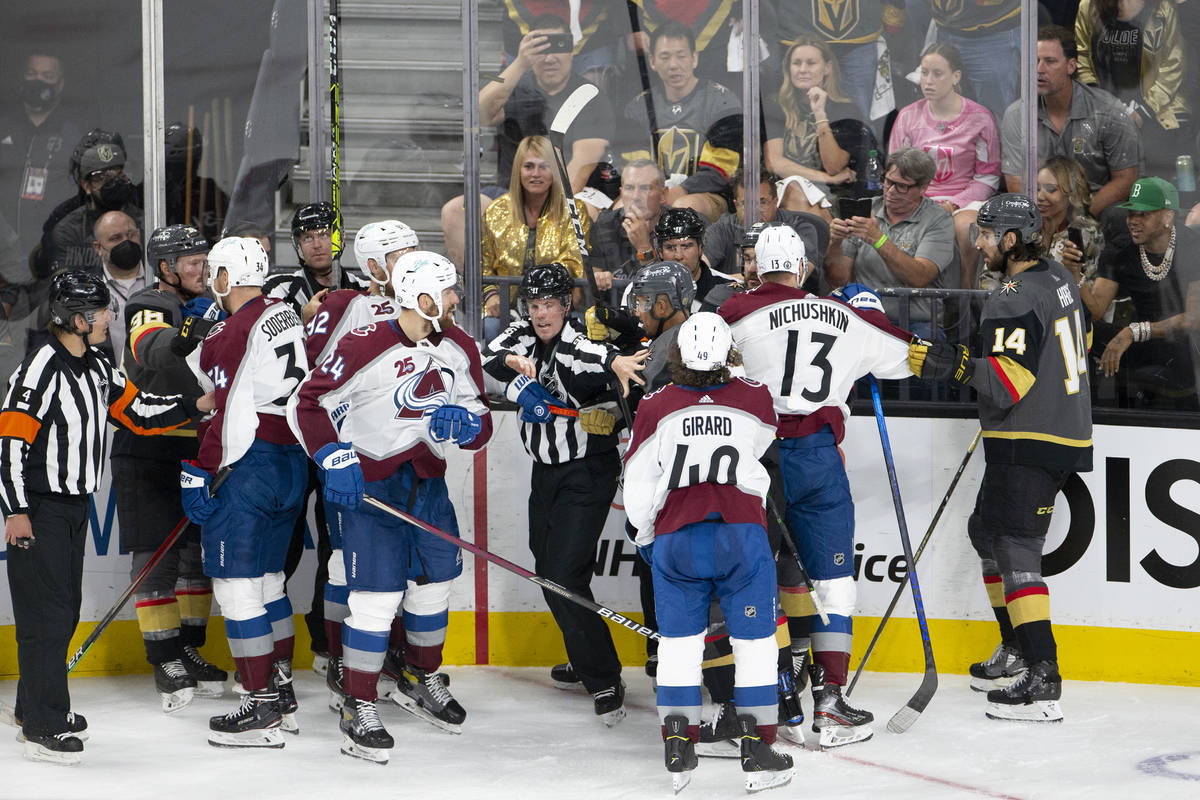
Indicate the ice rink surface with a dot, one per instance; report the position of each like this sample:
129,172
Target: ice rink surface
525,739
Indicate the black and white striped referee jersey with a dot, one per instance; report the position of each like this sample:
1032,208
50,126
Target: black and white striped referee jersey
299,286
572,368
52,423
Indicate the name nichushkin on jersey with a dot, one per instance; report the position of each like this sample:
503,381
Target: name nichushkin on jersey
822,312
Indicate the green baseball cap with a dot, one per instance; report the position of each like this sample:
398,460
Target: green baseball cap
1151,194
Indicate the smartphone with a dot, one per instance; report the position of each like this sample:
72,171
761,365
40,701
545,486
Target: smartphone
559,43
1075,235
848,207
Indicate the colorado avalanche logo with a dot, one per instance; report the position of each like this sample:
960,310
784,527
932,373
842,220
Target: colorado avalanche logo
422,391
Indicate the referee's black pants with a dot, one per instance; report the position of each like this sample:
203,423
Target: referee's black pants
45,582
568,504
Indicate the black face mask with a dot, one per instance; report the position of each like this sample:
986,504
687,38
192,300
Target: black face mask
126,255
38,95
116,193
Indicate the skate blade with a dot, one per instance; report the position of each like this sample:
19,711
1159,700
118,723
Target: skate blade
723,748
81,736
376,755
176,700
35,752
320,665
271,738
411,706
611,718
1041,711
210,689
987,684
336,701
841,735
680,780
792,733
289,724
568,686
767,779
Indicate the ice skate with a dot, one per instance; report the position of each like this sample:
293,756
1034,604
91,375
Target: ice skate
210,679
76,725
424,695
836,721
719,737
56,748
764,766
393,668
333,679
565,677
1032,697
320,663
175,686
254,724
999,671
680,752
365,736
281,681
610,703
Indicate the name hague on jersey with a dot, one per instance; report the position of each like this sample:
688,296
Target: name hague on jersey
827,313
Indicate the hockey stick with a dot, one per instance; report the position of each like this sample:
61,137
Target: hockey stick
167,544
917,557
635,28
791,545
335,140
545,583
903,719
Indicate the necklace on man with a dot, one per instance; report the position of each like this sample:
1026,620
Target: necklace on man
1157,273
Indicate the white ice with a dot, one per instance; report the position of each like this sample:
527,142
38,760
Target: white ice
525,739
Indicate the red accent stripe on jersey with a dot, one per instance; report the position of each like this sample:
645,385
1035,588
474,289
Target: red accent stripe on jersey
138,335
1012,390
1028,591
479,467
991,579
155,601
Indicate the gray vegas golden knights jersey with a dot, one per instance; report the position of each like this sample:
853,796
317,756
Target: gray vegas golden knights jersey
1034,402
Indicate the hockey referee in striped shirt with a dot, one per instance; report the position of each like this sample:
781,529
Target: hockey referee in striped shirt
52,455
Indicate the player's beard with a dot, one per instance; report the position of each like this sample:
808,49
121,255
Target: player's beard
446,320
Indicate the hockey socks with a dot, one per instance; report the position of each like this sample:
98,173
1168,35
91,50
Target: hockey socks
194,598
283,628
251,644
995,593
831,646
362,661
336,611
158,620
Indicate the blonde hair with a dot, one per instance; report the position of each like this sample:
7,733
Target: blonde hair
831,83
1073,181
557,202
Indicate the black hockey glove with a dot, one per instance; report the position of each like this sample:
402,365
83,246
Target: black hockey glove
605,323
191,334
941,361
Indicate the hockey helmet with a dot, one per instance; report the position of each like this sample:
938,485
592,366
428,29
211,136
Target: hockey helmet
780,249
663,277
704,342
422,272
679,223
751,234
169,243
377,239
1011,212
176,138
77,292
242,258
312,217
90,140
541,282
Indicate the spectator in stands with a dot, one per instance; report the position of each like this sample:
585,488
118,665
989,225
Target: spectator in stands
1070,236
106,188
801,146
34,135
988,35
523,103
698,133
1156,271
191,199
1078,121
526,226
118,245
620,242
1135,51
599,24
723,239
908,241
962,137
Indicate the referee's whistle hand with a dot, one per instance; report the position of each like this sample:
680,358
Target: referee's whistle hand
18,532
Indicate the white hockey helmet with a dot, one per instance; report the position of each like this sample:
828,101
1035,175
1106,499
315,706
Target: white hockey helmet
422,272
780,249
704,342
377,239
242,258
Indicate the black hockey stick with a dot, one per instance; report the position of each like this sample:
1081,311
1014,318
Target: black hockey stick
545,583
917,557
903,719
791,545
167,544
635,27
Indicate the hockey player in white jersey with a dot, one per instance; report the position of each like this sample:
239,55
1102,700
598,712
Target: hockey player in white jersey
254,360
695,490
378,414
826,345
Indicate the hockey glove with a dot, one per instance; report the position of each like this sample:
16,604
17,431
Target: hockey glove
341,474
198,502
645,551
191,334
204,308
597,421
454,423
533,398
860,296
605,323
941,361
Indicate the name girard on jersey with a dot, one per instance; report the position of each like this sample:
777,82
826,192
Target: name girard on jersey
828,313
280,321
707,425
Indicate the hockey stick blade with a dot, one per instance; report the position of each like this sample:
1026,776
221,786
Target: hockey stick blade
571,107
903,719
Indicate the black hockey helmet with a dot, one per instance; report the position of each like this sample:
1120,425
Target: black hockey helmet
751,234
663,277
93,138
679,223
542,281
169,243
1012,212
177,145
76,292
314,217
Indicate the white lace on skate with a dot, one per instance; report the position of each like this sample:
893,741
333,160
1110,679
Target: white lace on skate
35,751
202,666
719,748
609,718
181,698
269,737
1035,711
833,728
1003,667
366,719
424,699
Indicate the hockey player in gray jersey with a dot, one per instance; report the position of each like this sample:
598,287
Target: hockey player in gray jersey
1035,411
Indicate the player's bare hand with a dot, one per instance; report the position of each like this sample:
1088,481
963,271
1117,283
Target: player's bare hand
603,279
626,368
310,308
18,532
521,364
1110,362
206,402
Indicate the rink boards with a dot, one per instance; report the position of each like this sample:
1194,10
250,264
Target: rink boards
1122,560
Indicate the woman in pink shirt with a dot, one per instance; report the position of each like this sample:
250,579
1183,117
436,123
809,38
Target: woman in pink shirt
962,137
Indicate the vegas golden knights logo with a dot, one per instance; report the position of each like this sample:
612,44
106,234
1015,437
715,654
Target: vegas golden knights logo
835,18
945,9
679,150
